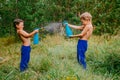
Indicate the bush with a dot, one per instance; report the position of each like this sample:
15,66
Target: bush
37,13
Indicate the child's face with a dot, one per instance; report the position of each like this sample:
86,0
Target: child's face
84,22
20,25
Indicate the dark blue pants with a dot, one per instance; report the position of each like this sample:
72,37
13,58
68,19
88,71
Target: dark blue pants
25,57
81,49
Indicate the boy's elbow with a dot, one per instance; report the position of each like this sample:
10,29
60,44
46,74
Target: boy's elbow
30,36
27,36
81,35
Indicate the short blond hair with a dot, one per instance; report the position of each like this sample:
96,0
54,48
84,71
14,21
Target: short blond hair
86,16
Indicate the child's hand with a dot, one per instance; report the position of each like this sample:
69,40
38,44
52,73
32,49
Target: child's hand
37,30
65,23
71,36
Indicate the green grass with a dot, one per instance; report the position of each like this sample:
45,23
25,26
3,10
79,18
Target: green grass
55,59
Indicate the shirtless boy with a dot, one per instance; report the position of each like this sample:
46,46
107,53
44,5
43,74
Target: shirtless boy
87,30
25,48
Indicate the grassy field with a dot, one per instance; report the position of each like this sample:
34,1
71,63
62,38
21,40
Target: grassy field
55,59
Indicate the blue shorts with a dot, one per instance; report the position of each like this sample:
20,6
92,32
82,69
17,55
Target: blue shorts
81,49
25,57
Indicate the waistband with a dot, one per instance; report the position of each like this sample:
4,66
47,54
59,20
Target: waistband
25,46
82,40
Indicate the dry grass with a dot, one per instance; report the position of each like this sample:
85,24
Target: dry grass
55,59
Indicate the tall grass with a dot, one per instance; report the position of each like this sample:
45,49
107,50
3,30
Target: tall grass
55,59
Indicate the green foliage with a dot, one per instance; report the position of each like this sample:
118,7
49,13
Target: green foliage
45,65
105,59
37,13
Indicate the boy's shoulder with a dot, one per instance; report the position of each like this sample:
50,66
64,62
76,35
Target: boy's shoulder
89,26
20,31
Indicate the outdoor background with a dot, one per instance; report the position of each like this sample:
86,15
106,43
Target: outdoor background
54,58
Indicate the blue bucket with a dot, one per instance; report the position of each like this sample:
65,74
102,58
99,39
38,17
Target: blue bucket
36,38
68,30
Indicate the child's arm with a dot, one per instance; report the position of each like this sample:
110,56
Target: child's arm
76,27
82,33
73,36
27,35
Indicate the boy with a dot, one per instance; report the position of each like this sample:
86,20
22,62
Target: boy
87,30
25,38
